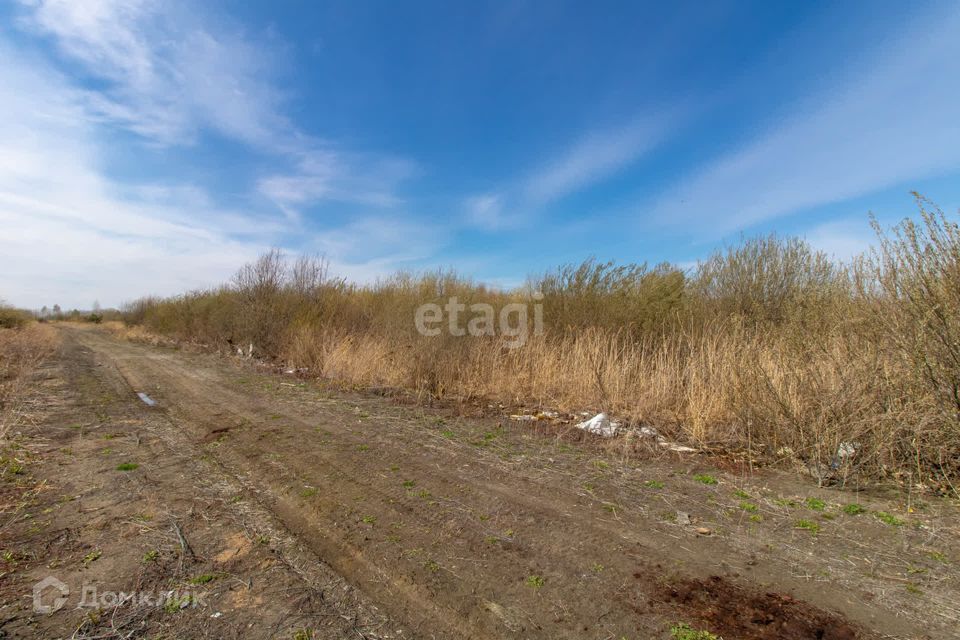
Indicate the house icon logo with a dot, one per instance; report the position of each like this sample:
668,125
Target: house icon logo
51,586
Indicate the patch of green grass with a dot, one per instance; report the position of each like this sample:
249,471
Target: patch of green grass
601,464
683,631
598,568
854,509
653,484
785,502
914,589
446,433
303,634
705,478
308,492
176,603
127,466
749,506
394,468
432,566
363,447
756,518
203,578
423,493
409,484
939,557
14,468
91,557
809,525
609,506
369,519
740,493
535,582
888,518
151,556
816,504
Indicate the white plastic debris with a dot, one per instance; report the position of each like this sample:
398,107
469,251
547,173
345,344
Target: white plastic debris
847,449
600,425
530,417
147,400
673,446
650,432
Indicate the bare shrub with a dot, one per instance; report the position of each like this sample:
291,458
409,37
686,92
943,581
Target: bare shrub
22,349
767,346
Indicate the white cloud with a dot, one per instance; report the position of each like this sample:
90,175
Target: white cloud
322,175
170,72
166,75
885,125
842,239
595,157
486,211
75,234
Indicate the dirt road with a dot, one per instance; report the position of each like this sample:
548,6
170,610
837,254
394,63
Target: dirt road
274,507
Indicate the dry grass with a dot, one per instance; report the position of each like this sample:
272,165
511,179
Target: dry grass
21,350
767,346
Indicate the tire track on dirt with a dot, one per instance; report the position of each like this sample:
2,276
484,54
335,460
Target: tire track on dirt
477,587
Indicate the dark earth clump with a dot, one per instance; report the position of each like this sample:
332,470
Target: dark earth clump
732,611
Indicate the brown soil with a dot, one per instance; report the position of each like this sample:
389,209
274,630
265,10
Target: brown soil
753,615
283,506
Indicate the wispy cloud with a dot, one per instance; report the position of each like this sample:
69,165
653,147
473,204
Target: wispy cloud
590,159
165,75
883,125
842,239
370,179
485,211
81,236
160,71
374,246
168,72
598,155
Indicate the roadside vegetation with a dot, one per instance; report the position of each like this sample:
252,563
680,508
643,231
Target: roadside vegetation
766,346
24,343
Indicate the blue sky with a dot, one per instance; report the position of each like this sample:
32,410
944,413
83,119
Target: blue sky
153,147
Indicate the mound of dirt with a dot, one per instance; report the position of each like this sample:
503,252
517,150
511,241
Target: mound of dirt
732,611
